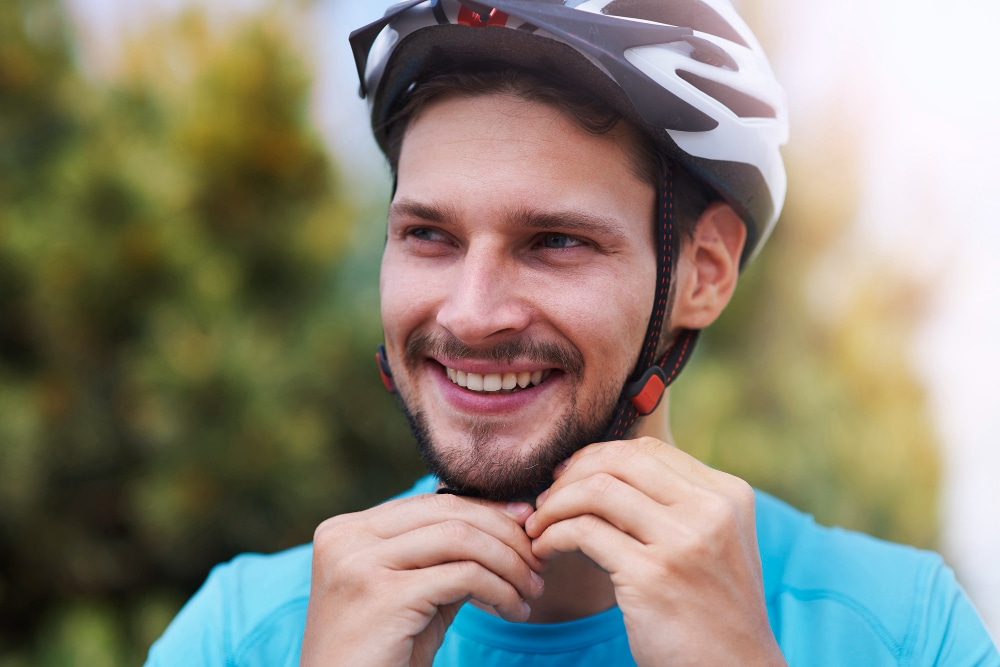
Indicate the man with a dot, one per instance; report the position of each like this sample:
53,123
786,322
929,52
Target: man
578,186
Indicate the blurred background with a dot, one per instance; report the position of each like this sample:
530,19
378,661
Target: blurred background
191,217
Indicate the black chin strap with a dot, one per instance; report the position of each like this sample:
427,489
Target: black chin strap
648,382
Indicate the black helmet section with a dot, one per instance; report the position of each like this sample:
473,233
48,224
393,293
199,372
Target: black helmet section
604,38
729,123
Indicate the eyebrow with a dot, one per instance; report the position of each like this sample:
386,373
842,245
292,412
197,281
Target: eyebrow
424,211
581,222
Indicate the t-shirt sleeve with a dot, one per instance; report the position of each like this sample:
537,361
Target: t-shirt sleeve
196,635
251,611
953,633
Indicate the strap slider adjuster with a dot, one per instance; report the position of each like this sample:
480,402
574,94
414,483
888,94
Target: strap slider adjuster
647,392
384,370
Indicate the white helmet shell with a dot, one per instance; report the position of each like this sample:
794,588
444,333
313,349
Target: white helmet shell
689,73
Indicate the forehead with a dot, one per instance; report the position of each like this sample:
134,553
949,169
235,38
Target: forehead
501,149
588,111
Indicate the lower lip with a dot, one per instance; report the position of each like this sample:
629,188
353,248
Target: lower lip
496,403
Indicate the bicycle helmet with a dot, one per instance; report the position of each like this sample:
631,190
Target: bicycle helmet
689,74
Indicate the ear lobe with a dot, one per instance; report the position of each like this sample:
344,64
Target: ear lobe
708,267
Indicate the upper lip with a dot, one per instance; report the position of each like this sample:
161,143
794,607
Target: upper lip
488,367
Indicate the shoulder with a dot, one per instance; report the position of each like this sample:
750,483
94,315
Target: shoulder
806,559
254,604
250,610
832,591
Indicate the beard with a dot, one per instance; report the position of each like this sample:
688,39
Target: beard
475,467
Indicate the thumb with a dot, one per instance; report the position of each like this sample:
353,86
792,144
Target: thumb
517,510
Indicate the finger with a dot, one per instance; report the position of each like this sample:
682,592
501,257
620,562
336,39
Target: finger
409,512
604,495
518,511
449,583
644,467
593,536
456,541
680,461
705,496
405,515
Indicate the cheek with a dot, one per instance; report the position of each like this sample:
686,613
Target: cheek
400,297
411,294
606,319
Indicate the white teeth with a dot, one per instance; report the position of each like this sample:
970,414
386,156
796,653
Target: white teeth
494,382
509,381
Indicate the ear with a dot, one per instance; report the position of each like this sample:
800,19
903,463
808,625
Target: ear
708,267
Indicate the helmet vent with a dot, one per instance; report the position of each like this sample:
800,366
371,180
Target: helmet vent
686,13
741,104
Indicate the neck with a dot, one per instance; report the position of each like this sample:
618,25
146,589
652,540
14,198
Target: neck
657,424
574,587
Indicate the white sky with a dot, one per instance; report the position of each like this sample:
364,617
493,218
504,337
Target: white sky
917,75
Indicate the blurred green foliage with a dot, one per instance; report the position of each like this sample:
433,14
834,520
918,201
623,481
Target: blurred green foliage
187,319
183,373
805,386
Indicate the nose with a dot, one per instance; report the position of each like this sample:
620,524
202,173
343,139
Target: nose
484,300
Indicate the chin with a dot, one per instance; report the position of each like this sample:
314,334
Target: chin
479,467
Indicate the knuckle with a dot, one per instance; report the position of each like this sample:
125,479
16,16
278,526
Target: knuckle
331,533
446,503
601,484
589,524
721,515
690,547
457,531
321,534
515,562
614,454
352,574
653,567
466,570
648,443
742,492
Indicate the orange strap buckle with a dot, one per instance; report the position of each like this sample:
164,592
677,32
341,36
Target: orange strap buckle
646,392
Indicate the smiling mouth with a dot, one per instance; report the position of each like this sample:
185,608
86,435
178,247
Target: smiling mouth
497,383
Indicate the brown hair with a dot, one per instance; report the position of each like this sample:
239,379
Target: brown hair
591,113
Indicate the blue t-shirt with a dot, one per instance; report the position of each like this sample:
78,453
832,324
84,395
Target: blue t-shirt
834,597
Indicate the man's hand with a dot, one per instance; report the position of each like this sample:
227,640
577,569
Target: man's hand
387,582
679,541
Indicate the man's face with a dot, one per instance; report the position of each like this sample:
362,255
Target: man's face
517,281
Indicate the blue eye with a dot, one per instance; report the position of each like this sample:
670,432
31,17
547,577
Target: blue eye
425,234
560,241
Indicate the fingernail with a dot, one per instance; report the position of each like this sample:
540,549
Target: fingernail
517,509
535,579
560,469
526,608
541,498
